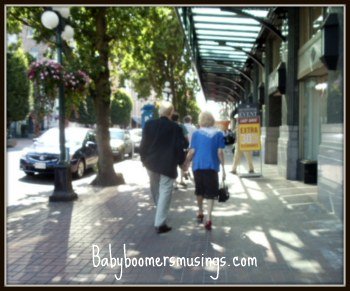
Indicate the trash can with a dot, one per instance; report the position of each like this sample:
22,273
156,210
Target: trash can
308,171
147,113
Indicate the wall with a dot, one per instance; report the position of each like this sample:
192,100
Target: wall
331,152
331,169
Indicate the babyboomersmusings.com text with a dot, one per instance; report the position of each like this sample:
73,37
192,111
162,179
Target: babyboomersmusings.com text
166,261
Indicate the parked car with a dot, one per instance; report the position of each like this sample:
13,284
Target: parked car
136,136
121,143
43,155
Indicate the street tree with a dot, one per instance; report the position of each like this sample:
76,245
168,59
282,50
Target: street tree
99,31
158,56
121,107
86,113
17,85
187,103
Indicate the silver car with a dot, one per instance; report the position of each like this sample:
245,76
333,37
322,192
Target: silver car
136,136
121,143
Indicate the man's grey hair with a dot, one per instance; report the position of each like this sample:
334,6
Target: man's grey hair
166,108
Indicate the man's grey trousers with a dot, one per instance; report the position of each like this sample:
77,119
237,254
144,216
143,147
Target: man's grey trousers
161,189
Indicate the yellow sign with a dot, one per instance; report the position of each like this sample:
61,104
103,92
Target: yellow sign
249,137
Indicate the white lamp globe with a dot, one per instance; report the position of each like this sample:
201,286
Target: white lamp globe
49,19
68,32
64,11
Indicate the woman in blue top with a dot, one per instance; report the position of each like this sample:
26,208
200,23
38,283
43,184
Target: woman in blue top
206,153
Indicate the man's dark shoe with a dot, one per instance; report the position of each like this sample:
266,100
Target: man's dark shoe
163,228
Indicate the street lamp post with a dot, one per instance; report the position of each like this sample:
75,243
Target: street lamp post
54,19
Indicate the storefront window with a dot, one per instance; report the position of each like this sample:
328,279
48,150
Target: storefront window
313,113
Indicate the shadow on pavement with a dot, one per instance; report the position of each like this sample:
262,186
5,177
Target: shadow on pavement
42,251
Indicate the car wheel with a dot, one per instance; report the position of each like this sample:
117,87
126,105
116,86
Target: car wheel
29,173
80,169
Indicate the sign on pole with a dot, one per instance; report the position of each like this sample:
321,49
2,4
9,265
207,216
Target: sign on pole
249,131
249,134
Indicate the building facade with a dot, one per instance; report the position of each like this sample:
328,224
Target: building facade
303,121
289,60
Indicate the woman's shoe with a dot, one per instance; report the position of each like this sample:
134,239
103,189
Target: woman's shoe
208,225
200,218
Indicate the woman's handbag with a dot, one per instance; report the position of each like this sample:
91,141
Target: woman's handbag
224,195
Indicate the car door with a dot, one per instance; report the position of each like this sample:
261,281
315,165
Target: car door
90,149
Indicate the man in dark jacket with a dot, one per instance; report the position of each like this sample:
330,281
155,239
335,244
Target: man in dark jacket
162,150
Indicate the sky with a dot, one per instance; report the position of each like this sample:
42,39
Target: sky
211,106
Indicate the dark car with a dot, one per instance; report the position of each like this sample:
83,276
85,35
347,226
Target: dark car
43,155
121,143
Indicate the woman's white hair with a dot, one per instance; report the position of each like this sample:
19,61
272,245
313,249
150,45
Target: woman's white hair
166,108
206,119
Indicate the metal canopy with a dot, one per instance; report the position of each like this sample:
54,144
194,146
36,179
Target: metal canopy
224,43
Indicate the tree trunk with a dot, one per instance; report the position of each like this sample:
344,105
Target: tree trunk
106,175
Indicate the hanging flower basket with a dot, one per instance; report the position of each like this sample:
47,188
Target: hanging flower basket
48,74
76,85
76,81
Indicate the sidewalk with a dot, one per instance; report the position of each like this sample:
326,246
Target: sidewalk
272,227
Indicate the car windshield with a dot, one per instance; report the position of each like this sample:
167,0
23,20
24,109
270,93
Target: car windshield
116,134
73,136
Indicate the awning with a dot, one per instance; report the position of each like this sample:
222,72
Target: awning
224,43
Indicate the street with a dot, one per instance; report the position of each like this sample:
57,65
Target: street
24,190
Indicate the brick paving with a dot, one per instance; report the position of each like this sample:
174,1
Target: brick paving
276,222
